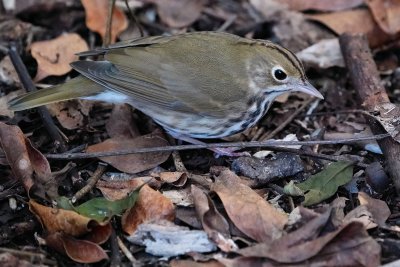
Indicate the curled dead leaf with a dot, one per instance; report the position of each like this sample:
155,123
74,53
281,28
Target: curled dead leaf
81,251
386,13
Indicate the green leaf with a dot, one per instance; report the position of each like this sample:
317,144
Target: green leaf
324,184
100,208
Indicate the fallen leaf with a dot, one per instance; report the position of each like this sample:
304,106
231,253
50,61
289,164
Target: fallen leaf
215,225
348,246
4,110
151,205
353,21
267,7
177,179
54,56
324,184
324,54
252,214
102,209
121,122
363,215
60,220
386,13
378,208
190,263
28,165
181,197
178,13
96,18
296,246
332,5
167,239
71,114
388,115
99,234
81,251
133,163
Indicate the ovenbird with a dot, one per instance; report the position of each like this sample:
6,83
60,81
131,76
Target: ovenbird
199,85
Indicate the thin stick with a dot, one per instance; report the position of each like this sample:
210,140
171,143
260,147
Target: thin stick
30,87
91,182
134,19
127,253
269,144
270,135
107,36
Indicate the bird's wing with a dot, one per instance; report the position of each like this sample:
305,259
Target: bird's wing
183,75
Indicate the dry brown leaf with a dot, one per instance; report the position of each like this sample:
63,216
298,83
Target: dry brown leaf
378,208
4,109
71,114
347,246
353,21
27,163
178,13
59,220
54,56
386,13
252,214
177,179
215,225
133,163
363,215
78,250
121,122
99,234
191,263
324,5
151,205
96,18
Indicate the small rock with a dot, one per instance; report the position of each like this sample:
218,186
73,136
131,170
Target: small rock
281,166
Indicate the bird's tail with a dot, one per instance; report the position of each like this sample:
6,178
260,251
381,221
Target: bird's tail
74,88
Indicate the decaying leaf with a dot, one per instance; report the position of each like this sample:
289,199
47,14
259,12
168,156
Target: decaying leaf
324,54
78,250
121,122
71,114
96,18
388,115
54,56
378,208
331,5
27,163
178,13
353,21
216,226
386,13
60,220
133,163
325,183
252,214
151,205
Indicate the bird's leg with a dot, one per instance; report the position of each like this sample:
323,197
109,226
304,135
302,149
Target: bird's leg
227,151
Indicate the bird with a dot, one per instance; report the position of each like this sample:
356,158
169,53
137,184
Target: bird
196,85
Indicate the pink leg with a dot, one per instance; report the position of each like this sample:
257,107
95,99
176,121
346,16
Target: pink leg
228,151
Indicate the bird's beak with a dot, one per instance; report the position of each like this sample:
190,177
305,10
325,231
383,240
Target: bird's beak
307,88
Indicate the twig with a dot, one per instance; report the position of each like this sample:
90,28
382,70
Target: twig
227,23
269,144
91,182
270,135
135,20
30,87
127,253
115,260
365,79
107,37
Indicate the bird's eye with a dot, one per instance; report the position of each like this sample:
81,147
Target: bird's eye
279,74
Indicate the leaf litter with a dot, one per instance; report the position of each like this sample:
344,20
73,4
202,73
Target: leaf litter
209,209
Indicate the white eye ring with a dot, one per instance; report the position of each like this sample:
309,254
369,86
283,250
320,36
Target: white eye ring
279,74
